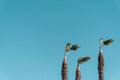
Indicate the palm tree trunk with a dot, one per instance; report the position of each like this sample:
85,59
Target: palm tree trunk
64,71
101,65
78,74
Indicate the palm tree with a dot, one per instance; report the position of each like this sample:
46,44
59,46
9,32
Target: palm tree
80,61
101,65
64,71
101,57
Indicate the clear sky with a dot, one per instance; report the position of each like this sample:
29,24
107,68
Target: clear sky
33,35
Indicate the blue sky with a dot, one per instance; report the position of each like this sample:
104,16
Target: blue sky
33,35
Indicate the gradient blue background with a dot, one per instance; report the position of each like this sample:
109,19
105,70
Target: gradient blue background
33,35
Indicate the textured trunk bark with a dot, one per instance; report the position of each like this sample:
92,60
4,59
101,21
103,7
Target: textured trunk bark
78,74
64,71
101,65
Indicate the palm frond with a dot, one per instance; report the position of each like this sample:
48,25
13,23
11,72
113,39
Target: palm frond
74,47
83,59
108,42
68,46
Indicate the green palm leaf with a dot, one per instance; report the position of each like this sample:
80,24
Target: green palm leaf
83,59
108,42
68,46
74,47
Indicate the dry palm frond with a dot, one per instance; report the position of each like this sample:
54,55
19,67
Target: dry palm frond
68,46
83,59
74,47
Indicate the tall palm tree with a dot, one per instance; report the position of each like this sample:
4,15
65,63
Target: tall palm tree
101,65
64,71
80,61
101,58
78,73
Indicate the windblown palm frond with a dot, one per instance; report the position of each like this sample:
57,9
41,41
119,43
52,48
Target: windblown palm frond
83,59
68,46
107,42
74,47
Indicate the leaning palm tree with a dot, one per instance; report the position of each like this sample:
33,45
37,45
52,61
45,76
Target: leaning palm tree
80,61
101,57
64,71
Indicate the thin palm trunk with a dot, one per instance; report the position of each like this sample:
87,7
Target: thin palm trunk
64,71
78,74
101,65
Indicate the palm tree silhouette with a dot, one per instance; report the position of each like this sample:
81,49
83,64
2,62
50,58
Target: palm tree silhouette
64,71
101,57
80,61
101,65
